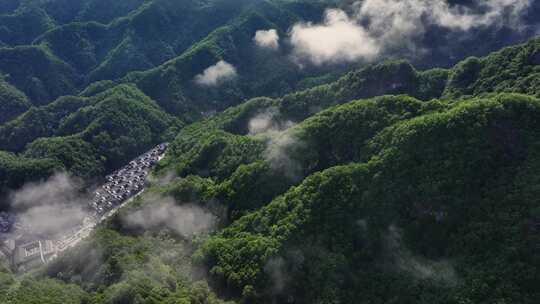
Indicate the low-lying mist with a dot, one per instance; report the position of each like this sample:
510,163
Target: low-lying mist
186,220
52,206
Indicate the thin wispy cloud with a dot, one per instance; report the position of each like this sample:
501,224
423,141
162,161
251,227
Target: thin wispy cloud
268,121
187,220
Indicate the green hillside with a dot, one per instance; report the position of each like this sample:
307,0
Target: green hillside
407,223
108,116
23,24
12,102
430,178
85,47
88,136
37,73
91,40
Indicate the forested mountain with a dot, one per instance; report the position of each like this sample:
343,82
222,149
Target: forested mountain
402,169
67,45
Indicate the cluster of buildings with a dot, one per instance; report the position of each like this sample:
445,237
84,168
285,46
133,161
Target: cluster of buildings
125,182
27,249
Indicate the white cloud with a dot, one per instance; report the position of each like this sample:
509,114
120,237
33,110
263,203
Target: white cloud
216,74
378,25
267,39
338,39
162,212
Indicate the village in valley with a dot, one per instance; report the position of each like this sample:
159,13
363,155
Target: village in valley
26,249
